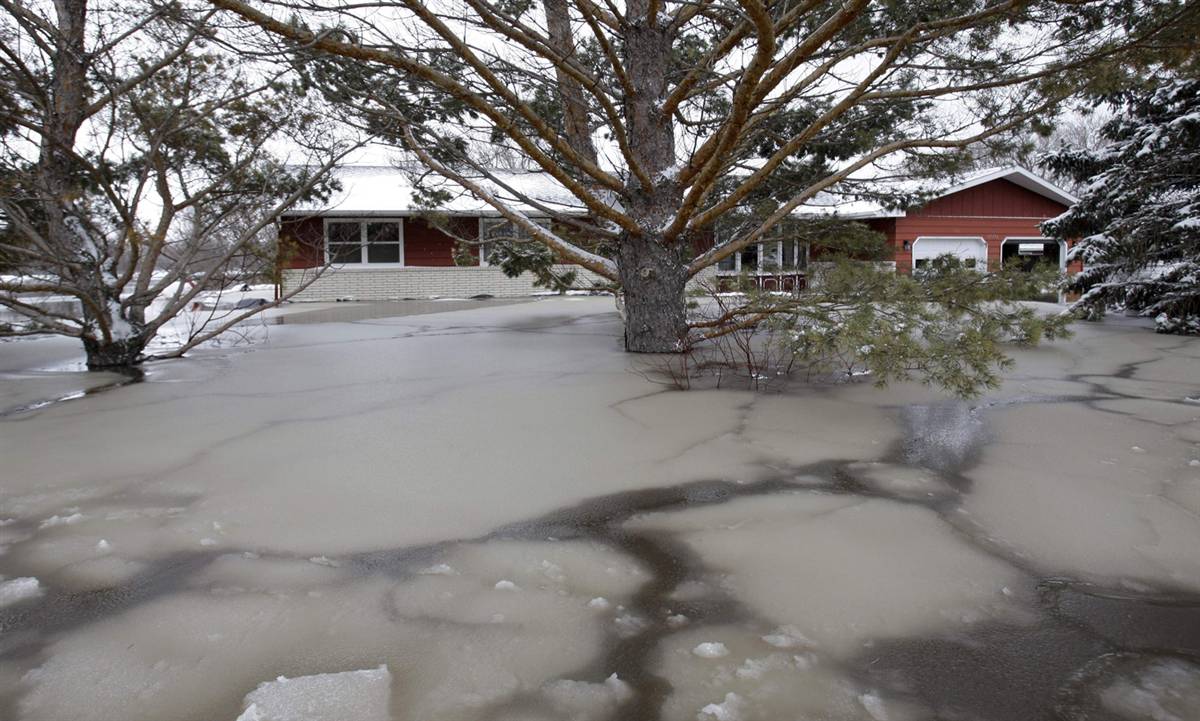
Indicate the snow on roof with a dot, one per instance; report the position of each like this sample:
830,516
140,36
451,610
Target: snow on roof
388,190
828,204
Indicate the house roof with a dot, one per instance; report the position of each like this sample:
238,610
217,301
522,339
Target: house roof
861,209
383,190
389,190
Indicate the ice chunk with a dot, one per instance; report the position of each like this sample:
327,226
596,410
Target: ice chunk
1162,690
18,589
599,603
874,706
728,710
57,520
677,620
103,546
583,701
359,695
883,569
629,624
506,585
441,569
710,649
787,637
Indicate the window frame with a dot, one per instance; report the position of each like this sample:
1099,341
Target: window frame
363,222
799,248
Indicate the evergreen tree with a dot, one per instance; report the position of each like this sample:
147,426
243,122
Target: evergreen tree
1138,218
665,119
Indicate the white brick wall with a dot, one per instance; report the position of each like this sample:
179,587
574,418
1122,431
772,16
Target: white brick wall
414,282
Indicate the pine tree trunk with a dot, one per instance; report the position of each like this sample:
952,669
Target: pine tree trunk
653,277
116,355
653,274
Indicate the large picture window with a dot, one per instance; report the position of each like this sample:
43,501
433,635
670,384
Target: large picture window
496,229
365,242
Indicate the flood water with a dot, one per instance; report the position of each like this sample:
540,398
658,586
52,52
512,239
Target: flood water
494,514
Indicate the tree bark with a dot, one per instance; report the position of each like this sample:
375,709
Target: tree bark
116,355
653,277
575,115
652,273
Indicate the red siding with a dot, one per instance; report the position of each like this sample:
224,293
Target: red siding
993,211
426,245
301,242
995,199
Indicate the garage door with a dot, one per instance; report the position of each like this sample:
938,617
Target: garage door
972,251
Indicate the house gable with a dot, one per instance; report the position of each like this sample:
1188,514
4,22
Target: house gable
998,198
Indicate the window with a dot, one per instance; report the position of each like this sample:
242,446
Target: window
494,229
769,257
795,255
748,259
362,242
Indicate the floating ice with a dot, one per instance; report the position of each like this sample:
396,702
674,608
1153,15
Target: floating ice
600,603
841,570
583,701
57,520
357,695
787,637
728,710
1161,690
506,585
874,706
441,569
1149,531
103,546
629,624
710,649
18,589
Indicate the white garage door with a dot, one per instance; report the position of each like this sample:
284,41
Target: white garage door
972,251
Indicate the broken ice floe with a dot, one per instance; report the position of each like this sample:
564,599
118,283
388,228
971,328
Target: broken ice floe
584,701
359,695
710,649
18,589
57,520
728,710
441,569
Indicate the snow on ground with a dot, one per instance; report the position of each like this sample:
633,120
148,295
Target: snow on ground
505,511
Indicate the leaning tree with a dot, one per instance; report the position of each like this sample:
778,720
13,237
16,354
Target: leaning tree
663,117
145,156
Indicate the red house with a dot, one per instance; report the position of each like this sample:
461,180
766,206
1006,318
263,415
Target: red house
987,219
374,241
